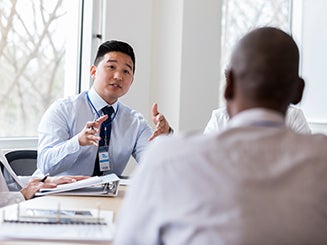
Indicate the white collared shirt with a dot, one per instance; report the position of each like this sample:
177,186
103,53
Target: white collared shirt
294,119
59,152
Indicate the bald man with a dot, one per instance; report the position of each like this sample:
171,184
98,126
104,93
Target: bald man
258,182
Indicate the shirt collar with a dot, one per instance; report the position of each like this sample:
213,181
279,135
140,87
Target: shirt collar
98,102
257,116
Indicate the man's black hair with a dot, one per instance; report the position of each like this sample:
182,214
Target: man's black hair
114,46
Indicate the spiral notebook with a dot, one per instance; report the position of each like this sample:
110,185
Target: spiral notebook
57,225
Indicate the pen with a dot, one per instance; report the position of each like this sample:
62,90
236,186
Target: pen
44,178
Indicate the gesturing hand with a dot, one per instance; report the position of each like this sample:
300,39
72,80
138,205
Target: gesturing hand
90,133
159,120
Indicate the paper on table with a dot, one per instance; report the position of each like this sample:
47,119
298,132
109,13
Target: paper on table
5,163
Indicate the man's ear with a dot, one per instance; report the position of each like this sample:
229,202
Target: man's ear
229,89
298,93
93,70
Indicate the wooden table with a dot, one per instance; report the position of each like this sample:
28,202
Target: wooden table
68,203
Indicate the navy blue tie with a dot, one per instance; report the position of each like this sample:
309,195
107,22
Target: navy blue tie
104,134
108,110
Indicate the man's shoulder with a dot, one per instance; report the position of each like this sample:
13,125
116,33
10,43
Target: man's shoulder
294,110
74,98
296,120
220,111
220,115
181,144
70,100
312,140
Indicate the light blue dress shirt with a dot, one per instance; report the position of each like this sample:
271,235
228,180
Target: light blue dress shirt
59,152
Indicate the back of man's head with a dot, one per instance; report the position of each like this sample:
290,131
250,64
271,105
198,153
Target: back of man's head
114,46
264,70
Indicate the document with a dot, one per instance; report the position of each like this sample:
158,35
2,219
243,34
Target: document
106,185
89,225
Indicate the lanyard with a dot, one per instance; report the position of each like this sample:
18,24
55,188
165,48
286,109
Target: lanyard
91,104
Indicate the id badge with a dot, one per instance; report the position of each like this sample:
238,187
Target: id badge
104,159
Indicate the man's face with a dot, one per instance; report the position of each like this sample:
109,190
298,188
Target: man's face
113,76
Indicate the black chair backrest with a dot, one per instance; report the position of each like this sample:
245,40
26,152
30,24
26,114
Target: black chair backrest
23,162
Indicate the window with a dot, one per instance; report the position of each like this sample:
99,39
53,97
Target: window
39,44
239,17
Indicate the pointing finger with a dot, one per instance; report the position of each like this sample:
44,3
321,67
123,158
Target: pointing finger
155,109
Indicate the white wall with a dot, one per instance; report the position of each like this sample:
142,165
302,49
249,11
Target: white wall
166,58
311,36
177,47
200,71
131,21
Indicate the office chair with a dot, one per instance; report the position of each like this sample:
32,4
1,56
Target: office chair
23,162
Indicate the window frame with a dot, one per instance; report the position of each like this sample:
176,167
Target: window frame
89,36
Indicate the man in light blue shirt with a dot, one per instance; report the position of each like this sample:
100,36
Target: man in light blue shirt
69,129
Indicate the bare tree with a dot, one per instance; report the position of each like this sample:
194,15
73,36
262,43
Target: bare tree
32,63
